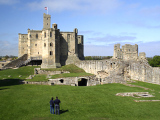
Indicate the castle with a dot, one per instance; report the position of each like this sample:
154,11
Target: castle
53,47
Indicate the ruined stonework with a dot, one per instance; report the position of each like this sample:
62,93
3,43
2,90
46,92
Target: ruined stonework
54,47
125,65
127,52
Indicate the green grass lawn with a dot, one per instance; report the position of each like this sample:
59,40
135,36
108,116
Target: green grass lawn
29,70
71,75
24,71
31,102
71,68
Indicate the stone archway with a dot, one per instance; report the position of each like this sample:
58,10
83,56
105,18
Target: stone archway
82,82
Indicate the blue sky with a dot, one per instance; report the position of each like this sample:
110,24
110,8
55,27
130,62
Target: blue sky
102,22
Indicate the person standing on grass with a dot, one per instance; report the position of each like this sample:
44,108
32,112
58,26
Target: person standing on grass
51,106
56,102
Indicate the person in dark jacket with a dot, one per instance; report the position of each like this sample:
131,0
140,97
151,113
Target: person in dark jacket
51,106
56,102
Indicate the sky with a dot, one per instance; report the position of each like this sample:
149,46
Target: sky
103,23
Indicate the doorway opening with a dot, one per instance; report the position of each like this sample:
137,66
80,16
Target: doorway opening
61,80
82,82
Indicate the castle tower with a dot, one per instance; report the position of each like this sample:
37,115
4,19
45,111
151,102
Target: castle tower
50,45
72,47
130,52
117,52
80,47
46,21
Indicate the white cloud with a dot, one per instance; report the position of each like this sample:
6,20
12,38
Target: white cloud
83,6
8,2
112,38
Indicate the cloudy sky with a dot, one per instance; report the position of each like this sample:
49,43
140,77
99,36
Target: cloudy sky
102,22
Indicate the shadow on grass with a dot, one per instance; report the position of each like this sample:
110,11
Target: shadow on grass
9,82
101,118
3,88
63,111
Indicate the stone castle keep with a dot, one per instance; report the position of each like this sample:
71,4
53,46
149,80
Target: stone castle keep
53,47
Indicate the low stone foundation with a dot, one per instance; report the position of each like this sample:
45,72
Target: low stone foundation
147,100
73,81
39,71
135,94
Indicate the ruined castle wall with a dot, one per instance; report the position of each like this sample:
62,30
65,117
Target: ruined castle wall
93,66
142,55
144,72
107,71
130,52
23,44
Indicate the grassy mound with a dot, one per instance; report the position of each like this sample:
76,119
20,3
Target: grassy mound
71,68
31,102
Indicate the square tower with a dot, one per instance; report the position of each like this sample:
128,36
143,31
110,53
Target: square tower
46,21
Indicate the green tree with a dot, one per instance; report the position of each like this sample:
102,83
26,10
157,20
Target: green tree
155,62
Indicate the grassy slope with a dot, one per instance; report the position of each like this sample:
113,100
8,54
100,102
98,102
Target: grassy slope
71,68
31,102
29,70
24,71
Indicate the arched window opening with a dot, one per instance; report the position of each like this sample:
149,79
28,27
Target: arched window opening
38,52
44,44
50,34
35,44
45,34
51,44
36,36
30,36
51,52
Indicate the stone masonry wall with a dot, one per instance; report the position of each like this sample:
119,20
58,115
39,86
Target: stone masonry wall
39,71
108,71
144,72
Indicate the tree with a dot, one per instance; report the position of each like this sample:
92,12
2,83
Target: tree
6,57
155,62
